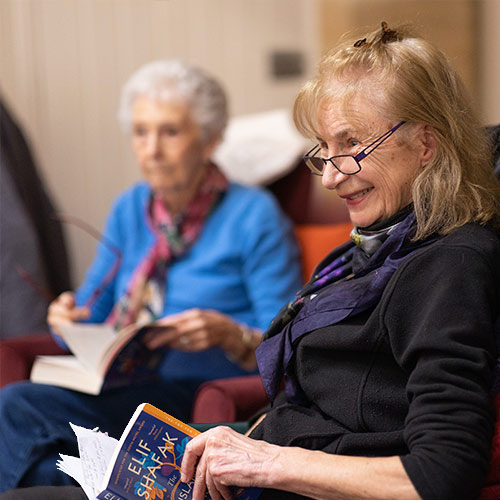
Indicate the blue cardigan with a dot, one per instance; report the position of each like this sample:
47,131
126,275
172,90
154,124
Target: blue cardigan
245,264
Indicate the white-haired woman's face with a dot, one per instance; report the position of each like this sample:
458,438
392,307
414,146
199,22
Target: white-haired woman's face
384,184
169,149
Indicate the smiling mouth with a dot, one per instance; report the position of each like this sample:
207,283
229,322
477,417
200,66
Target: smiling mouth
359,195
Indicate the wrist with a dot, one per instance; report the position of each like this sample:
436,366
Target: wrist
243,344
286,471
277,470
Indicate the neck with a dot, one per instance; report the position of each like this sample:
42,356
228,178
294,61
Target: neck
178,204
390,221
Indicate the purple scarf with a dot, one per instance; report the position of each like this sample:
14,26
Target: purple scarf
343,294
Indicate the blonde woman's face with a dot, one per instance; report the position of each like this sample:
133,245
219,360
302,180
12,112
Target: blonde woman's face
383,186
169,149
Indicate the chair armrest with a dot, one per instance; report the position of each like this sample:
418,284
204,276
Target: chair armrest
491,488
17,355
228,400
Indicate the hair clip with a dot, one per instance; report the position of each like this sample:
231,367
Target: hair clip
360,43
388,35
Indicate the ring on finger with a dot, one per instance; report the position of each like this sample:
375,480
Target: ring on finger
184,340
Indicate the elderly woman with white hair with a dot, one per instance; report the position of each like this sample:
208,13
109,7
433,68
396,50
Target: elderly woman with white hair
210,260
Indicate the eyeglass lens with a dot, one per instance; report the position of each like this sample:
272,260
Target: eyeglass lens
344,164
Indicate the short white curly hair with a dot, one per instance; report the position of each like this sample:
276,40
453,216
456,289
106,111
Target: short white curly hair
178,81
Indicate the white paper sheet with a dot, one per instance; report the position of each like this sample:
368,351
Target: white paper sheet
96,450
73,467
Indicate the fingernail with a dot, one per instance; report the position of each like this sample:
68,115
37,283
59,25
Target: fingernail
183,477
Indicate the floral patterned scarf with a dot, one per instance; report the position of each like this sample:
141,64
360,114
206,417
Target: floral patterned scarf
143,301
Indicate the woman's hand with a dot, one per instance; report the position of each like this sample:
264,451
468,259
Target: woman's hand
222,458
63,311
198,329
192,330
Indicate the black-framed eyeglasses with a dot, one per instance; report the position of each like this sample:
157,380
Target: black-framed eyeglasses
70,219
345,164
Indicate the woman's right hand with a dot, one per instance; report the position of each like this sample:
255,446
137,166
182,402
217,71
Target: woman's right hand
63,311
221,457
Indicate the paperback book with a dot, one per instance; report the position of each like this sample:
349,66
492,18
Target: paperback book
101,358
145,463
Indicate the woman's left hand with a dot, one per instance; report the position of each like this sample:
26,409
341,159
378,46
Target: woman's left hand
194,330
222,458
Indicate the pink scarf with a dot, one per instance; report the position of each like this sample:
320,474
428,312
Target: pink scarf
144,300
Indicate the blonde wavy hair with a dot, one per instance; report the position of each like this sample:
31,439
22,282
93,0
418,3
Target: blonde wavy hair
418,85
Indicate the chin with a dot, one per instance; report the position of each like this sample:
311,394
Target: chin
359,220
162,193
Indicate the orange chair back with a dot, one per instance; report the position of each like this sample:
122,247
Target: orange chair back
317,240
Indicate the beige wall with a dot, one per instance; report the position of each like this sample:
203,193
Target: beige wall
450,24
63,63
489,56
466,30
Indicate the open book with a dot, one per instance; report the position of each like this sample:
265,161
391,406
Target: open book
145,463
101,359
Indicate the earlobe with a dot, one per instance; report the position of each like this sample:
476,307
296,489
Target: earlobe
210,147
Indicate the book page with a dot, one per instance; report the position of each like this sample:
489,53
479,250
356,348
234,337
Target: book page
96,450
72,466
87,341
65,371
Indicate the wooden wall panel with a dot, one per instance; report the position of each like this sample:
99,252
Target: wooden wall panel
62,64
450,24
489,58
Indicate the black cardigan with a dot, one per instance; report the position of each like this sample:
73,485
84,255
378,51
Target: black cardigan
411,377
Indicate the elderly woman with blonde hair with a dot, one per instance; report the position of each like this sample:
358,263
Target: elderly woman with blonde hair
389,351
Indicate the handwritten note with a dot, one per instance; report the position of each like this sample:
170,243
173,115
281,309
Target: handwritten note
95,449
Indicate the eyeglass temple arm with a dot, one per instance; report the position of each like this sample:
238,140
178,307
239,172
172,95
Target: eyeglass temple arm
44,292
39,288
71,219
104,283
312,151
376,143
109,244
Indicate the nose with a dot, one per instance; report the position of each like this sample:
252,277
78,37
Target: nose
332,177
152,145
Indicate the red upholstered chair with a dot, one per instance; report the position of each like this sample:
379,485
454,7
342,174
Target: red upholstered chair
17,355
237,399
229,400
491,489
317,240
